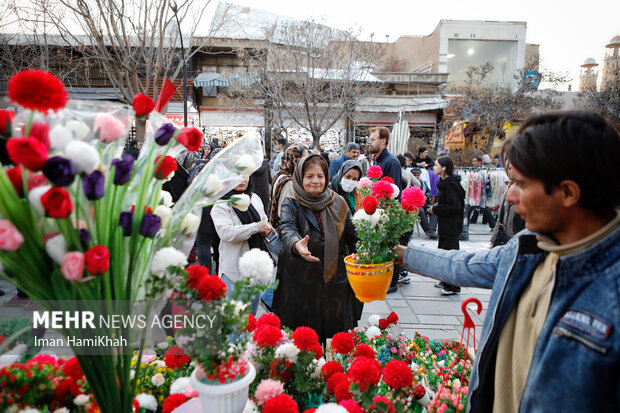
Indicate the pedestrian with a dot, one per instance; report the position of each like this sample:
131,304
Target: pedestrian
428,222
449,211
317,233
133,149
283,182
410,161
351,151
423,160
260,181
552,324
281,145
508,222
345,184
239,231
408,180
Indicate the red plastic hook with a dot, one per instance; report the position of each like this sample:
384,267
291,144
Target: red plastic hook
469,323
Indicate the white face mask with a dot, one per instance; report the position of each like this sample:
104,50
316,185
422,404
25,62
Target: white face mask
348,185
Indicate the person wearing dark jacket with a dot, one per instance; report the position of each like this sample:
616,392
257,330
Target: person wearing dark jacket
345,184
260,181
317,233
134,149
449,211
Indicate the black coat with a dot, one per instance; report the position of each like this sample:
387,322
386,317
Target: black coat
261,184
450,206
302,297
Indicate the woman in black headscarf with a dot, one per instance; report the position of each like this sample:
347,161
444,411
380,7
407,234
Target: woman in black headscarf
317,233
345,184
282,183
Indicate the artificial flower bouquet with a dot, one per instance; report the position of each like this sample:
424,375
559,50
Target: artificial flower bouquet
383,219
81,222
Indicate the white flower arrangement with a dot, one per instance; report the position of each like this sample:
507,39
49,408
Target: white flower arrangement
241,202
62,410
373,320
147,401
287,351
165,213
78,128
56,248
245,165
60,137
396,191
331,408
167,257
34,197
81,400
373,332
166,199
84,156
158,379
180,385
257,265
212,185
318,365
250,407
190,224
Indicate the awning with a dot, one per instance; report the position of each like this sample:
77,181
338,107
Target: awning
207,79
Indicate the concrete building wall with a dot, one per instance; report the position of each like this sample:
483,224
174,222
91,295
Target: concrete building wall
532,54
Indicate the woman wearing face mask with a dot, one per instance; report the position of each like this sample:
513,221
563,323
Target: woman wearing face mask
345,184
317,233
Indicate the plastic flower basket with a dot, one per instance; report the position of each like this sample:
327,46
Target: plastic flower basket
369,282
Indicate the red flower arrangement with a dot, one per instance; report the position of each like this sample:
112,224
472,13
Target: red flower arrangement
28,152
381,404
269,319
387,179
397,374
172,402
143,104
41,132
15,175
364,350
343,343
330,368
383,324
280,369
167,166
175,357
211,288
37,90
195,273
333,381
412,199
251,325
342,389
97,260
369,203
282,403
374,172
352,406
191,138
267,335
392,318
304,338
317,350
57,203
365,372
6,116
72,368
382,189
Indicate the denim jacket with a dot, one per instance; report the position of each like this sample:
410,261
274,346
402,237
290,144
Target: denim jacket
576,361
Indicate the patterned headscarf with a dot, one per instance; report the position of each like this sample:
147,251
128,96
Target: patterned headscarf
290,159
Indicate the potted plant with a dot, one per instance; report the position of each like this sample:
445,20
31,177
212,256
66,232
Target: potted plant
380,224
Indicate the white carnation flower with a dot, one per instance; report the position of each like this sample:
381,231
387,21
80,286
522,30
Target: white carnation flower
166,199
60,137
148,401
256,264
62,410
159,363
81,400
158,379
164,213
245,165
162,345
317,365
212,185
56,248
85,157
373,332
396,191
190,224
373,320
167,257
34,197
287,351
241,202
78,128
361,215
29,410
377,217
180,385
331,408
250,407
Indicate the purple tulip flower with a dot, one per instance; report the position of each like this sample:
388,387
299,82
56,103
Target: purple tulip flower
122,169
126,222
94,185
60,171
150,225
164,134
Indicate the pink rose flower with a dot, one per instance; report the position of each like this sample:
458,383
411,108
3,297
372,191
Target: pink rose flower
364,183
109,128
10,237
72,266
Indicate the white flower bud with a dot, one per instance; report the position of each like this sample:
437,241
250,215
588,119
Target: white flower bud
164,213
78,128
84,156
56,248
241,202
190,224
245,165
212,185
60,137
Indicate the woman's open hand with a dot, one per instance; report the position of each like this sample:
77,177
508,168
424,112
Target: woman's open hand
301,247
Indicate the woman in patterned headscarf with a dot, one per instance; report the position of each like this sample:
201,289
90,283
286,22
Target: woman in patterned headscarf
283,182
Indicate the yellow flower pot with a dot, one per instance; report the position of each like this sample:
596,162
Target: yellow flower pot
369,282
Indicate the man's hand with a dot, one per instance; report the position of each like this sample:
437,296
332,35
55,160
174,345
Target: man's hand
301,247
400,254
430,210
264,228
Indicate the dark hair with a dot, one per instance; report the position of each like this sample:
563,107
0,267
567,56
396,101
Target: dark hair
479,159
384,133
409,155
578,146
315,159
282,141
351,146
133,143
422,149
448,163
402,160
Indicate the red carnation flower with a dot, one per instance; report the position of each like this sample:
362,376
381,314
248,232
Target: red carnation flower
143,104
310,410
175,357
15,175
412,199
383,324
251,324
397,374
191,138
419,391
41,132
173,401
67,387
330,368
343,343
36,181
267,336
369,203
166,167
304,337
195,273
280,369
57,203
317,349
269,319
6,117
382,189
333,381
72,368
282,403
341,391
352,406
27,152
43,359
97,260
374,172
364,350
37,90
211,288
387,179
382,404
365,372
136,405
393,318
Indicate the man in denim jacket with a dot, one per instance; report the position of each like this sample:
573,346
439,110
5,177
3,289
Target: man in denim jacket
551,336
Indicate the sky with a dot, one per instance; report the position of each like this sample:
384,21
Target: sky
568,32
